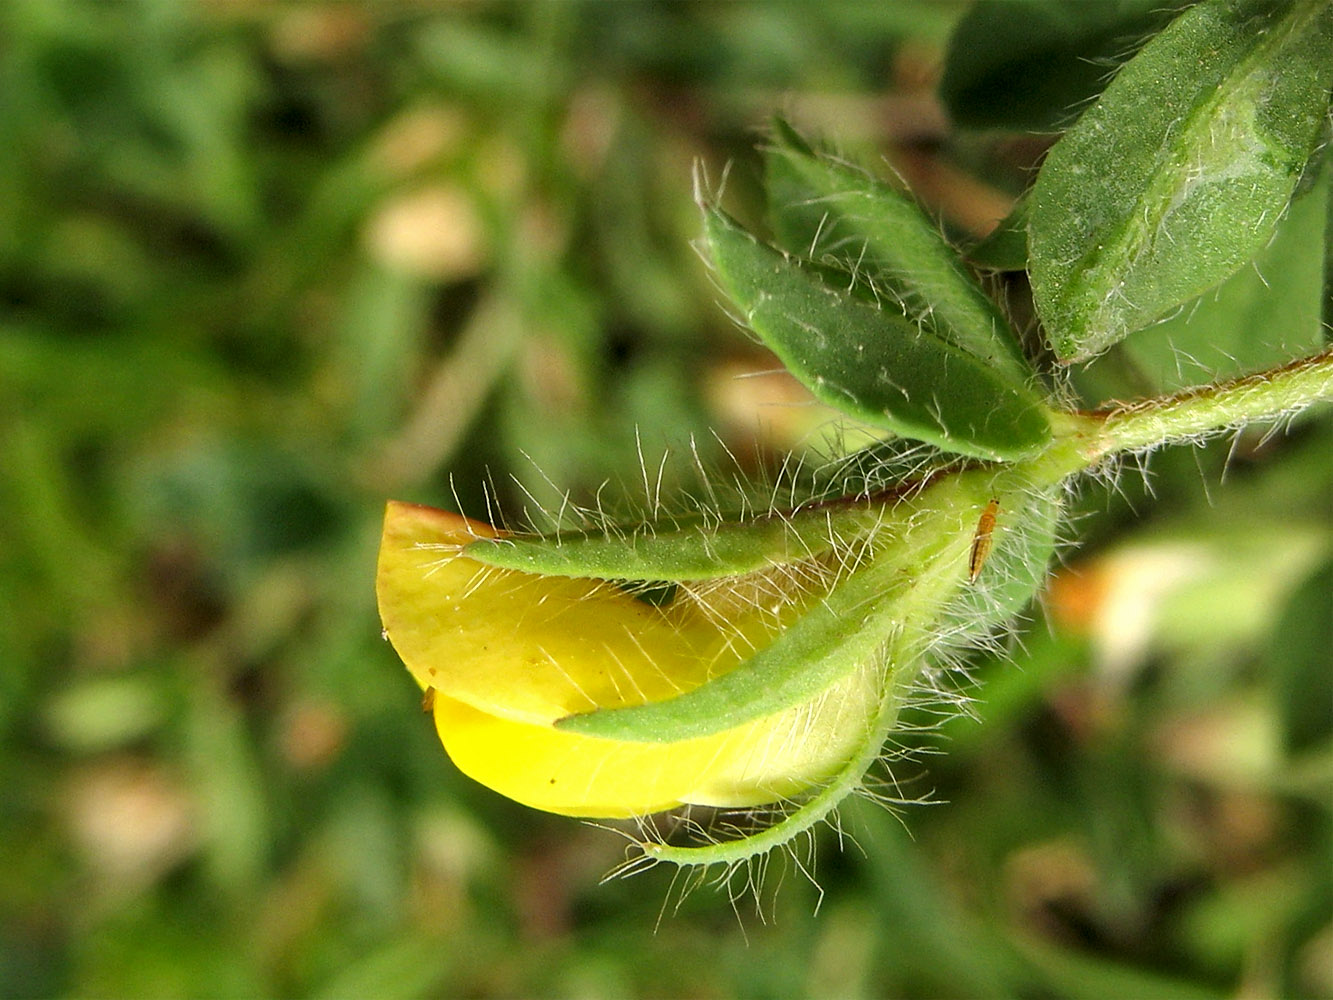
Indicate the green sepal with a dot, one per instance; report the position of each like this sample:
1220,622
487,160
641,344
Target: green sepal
694,548
876,365
1178,175
834,637
830,505
904,590
826,209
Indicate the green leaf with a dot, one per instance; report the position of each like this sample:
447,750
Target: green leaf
1180,172
827,209
1328,264
1264,315
1030,64
1006,248
875,365
1301,663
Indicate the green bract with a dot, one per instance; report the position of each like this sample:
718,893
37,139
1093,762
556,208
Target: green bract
875,364
825,209
1179,174
693,548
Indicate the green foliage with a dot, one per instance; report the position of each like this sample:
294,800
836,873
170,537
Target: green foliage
1174,179
826,210
1262,316
1034,64
220,351
875,364
1005,248
1298,658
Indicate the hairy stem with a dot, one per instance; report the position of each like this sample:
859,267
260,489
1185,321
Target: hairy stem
1084,439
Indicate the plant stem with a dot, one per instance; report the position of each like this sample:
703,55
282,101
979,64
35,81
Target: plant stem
1218,407
1084,439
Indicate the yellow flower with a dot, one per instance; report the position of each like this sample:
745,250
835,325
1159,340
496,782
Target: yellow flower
509,653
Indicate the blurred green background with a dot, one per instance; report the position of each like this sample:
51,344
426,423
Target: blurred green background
264,266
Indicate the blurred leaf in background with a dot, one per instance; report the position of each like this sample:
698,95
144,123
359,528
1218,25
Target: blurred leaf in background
262,267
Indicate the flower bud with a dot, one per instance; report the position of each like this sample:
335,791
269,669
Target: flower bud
509,653
787,669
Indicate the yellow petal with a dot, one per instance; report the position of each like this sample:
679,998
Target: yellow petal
758,763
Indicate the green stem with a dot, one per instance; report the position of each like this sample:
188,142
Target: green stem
1084,439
